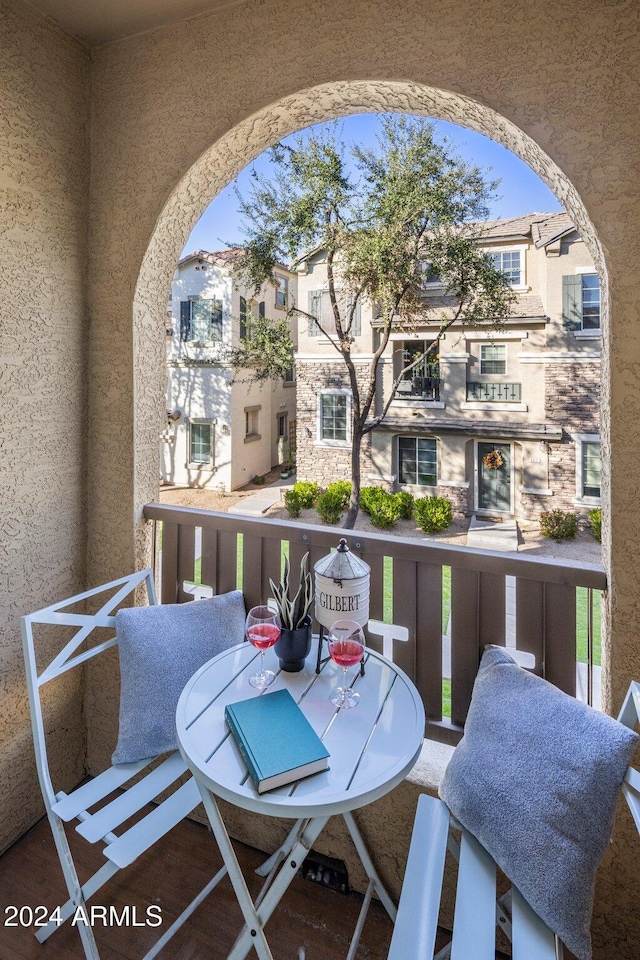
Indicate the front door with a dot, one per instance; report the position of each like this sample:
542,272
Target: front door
494,477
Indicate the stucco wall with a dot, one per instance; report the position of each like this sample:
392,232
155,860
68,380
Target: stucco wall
44,177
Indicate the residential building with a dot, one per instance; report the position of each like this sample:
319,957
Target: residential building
222,429
503,421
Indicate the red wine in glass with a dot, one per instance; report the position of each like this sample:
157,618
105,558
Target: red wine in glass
346,647
262,630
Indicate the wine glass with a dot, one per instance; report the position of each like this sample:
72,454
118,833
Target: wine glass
346,647
262,630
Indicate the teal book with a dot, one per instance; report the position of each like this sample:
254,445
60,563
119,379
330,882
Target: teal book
276,740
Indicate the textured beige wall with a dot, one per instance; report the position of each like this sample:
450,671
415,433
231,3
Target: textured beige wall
43,327
176,112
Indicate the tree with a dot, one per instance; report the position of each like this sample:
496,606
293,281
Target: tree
398,210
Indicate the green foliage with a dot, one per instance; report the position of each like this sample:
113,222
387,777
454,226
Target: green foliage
293,610
369,496
293,502
385,511
257,480
433,514
267,350
558,525
340,489
406,504
595,523
330,504
307,492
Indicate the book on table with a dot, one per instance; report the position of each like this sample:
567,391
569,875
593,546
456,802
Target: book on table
276,740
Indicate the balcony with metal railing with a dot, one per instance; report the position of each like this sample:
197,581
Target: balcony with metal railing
494,392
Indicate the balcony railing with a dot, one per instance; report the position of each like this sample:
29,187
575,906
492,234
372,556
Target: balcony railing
412,581
495,392
419,388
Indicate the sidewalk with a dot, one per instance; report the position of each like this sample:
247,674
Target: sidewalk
258,503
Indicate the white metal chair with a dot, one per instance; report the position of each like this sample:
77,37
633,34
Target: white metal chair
477,911
119,850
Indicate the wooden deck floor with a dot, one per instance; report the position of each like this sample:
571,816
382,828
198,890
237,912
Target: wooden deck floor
312,922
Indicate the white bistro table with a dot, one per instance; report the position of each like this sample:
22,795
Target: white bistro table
372,747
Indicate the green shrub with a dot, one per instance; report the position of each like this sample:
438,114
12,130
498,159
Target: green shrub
385,511
558,525
595,523
307,492
258,481
342,489
405,504
433,513
293,502
370,496
330,504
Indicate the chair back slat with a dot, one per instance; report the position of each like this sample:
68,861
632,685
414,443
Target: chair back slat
630,716
55,615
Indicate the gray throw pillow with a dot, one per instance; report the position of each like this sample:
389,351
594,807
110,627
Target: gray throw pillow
161,647
536,778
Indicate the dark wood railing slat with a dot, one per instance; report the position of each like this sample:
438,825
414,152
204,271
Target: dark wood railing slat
465,647
169,562
530,620
405,613
271,566
376,597
428,675
186,560
492,609
252,571
227,561
560,636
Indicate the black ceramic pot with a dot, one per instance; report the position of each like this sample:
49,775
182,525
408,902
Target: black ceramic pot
293,646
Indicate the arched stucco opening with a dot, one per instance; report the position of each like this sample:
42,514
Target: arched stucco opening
218,165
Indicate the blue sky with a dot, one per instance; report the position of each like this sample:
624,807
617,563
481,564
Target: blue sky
520,190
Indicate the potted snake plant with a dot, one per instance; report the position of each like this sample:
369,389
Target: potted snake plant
294,642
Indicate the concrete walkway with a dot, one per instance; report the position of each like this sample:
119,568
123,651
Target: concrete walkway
262,500
492,535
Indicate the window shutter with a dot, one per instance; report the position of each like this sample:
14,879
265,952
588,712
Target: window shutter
572,302
315,302
185,320
216,320
355,329
243,318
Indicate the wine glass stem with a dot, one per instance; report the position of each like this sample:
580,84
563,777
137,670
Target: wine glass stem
262,662
345,693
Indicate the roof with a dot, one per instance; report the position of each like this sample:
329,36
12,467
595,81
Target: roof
221,258
476,428
526,306
542,228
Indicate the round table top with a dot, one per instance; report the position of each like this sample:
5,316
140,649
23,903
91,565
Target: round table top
372,746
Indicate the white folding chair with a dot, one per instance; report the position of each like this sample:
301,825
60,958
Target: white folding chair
478,912
100,826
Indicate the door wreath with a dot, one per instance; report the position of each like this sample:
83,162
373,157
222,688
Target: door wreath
493,460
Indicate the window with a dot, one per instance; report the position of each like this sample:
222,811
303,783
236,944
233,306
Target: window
290,374
421,381
200,319
493,358
334,417
509,262
282,292
283,429
252,423
320,307
591,468
201,442
590,302
417,461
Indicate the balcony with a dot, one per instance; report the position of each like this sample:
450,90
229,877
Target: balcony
494,392
419,388
415,584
